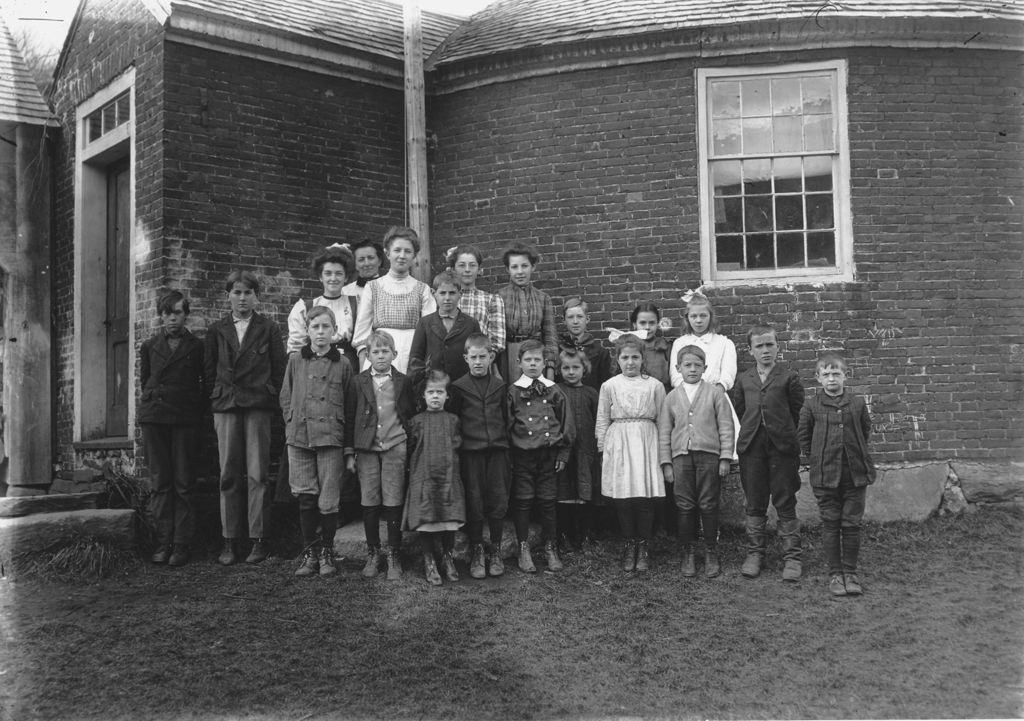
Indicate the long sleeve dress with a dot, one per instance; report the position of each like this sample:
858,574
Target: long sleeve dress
627,435
436,499
394,305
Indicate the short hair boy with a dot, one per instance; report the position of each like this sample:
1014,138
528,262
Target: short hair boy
377,417
767,399
541,434
245,358
440,337
478,399
169,414
834,429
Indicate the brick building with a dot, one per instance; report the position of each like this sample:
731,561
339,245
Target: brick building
850,173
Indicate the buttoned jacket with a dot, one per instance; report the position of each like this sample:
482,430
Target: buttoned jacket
245,375
436,347
361,408
313,398
703,424
484,416
829,426
543,422
776,404
173,381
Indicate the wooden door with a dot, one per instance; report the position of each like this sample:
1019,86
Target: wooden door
118,296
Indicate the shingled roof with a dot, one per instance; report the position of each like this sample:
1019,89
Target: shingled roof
372,26
512,25
20,99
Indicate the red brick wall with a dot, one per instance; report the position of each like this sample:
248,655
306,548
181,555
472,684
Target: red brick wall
598,169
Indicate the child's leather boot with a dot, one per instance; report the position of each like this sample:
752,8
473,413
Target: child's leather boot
525,559
227,555
430,570
497,562
712,566
688,568
643,559
755,547
394,562
628,555
448,564
478,564
791,552
551,555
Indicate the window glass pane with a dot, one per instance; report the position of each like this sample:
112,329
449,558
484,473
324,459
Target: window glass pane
94,127
726,177
757,176
756,100
789,212
728,215
787,175
817,95
760,253
122,109
791,250
818,171
725,99
818,132
757,136
726,137
821,249
758,213
819,211
787,134
729,252
786,96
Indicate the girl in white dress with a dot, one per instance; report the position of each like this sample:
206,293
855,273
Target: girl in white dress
396,302
627,436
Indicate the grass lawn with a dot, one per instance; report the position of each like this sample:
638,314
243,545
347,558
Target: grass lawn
939,634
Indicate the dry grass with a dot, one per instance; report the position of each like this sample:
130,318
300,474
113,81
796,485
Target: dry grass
938,634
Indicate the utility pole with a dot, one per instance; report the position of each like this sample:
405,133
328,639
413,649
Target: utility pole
416,137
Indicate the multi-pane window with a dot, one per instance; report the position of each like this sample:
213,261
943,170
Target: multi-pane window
100,122
772,170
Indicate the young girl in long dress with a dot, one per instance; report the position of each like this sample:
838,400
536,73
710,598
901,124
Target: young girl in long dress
627,436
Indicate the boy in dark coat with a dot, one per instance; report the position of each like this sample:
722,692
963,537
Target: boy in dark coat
767,399
245,363
834,429
170,412
377,415
478,399
440,337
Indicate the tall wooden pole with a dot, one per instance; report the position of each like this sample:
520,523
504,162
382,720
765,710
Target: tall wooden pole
416,137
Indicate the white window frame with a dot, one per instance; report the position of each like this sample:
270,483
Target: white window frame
844,269
91,162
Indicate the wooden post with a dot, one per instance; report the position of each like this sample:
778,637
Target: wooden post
416,137
27,366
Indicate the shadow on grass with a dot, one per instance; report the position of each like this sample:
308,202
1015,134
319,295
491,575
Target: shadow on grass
937,634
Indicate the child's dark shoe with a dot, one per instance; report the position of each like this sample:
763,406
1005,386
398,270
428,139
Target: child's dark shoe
259,552
327,565
161,554
628,555
792,570
525,559
179,556
551,556
227,555
751,567
712,566
497,563
430,570
394,561
448,564
836,586
372,566
688,568
310,563
853,587
478,564
643,559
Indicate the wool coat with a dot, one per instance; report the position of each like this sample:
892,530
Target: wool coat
484,415
313,398
174,388
829,426
776,404
361,409
434,347
245,375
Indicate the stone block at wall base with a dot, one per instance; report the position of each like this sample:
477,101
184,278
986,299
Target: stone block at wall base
989,482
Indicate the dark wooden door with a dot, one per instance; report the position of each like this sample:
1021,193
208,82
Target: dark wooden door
118,295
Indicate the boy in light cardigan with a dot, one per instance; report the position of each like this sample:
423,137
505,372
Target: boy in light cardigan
695,433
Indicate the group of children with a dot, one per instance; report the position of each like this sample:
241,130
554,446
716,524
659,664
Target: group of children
474,427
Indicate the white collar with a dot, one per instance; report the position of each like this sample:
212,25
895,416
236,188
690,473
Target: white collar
525,381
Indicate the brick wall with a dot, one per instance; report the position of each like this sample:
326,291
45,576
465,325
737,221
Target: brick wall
598,169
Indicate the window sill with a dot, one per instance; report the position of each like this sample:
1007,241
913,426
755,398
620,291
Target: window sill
104,444
781,280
